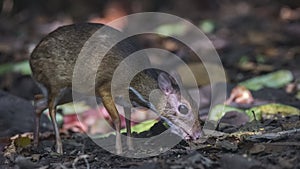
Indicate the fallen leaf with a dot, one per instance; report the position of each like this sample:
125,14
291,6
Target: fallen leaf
207,26
257,148
227,145
172,29
20,67
240,95
22,142
269,110
273,80
220,110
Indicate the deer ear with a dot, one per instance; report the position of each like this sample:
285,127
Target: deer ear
176,79
164,83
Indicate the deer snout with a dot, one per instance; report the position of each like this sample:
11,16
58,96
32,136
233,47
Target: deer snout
196,134
196,131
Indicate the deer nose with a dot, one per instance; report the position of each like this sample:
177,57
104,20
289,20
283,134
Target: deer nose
196,134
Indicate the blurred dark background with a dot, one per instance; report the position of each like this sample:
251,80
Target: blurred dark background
251,37
258,30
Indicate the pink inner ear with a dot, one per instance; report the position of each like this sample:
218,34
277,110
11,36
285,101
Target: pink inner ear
167,91
165,84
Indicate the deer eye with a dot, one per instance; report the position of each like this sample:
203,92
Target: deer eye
183,109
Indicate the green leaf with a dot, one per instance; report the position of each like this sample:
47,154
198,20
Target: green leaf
141,127
298,95
20,67
171,29
266,111
22,142
207,26
271,109
73,108
274,80
218,111
244,59
260,59
4,68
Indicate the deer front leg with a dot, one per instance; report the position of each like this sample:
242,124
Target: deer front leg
127,111
114,114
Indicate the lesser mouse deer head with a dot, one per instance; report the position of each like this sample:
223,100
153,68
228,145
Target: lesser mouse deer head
180,110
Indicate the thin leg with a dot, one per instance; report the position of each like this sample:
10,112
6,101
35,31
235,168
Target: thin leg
40,104
52,110
113,112
127,111
37,129
117,124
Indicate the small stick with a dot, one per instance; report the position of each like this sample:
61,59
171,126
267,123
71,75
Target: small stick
84,157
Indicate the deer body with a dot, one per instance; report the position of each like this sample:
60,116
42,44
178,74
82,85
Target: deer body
53,61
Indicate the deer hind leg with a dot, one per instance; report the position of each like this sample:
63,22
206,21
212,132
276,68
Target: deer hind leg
109,104
53,99
40,104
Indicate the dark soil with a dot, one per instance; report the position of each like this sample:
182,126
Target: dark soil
81,151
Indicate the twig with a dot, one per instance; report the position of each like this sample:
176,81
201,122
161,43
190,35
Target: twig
273,136
254,116
84,157
62,166
283,144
